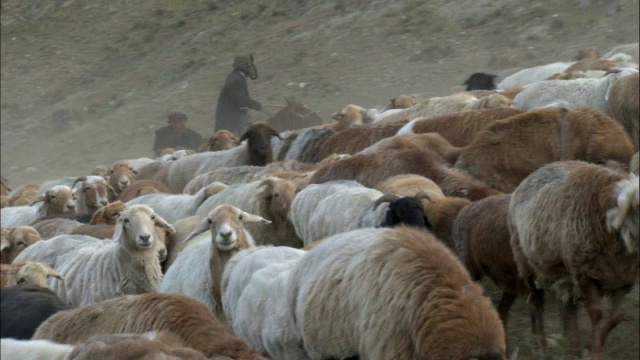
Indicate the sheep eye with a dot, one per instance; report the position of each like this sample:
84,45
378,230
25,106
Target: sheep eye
276,195
153,217
52,196
20,244
87,189
209,221
126,221
240,217
22,281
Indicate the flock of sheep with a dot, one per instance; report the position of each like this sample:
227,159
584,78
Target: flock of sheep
362,238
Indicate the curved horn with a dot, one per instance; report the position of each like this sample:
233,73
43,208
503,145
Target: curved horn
40,199
80,179
424,195
274,133
268,182
243,137
246,217
385,198
55,274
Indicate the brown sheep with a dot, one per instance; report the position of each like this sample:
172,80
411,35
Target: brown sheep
107,214
16,239
402,102
221,140
507,152
28,273
100,170
142,187
460,128
188,318
432,141
370,169
480,237
568,75
48,228
352,140
587,53
592,64
575,229
121,175
92,193
24,194
345,118
623,100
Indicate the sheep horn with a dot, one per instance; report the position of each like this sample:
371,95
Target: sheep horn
275,133
424,195
385,198
246,217
55,274
40,199
243,137
80,179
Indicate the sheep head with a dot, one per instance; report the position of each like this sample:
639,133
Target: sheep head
16,239
121,174
135,228
403,210
259,143
107,214
480,81
35,273
225,223
402,102
275,197
57,200
221,140
92,192
349,115
624,217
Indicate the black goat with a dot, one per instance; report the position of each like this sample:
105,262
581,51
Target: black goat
480,81
407,210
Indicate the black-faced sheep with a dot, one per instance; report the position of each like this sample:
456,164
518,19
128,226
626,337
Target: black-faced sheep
390,294
480,81
187,318
506,153
575,229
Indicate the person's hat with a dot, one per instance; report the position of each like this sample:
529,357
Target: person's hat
176,115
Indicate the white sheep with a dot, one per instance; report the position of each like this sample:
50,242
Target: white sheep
92,193
254,287
30,273
197,271
573,93
13,349
321,210
390,294
57,200
533,74
96,270
173,207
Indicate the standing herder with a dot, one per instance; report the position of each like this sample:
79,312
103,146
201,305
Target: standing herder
234,101
176,135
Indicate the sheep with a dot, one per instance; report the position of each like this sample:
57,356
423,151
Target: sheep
15,240
371,169
480,81
47,185
592,64
24,308
575,93
433,141
306,145
627,49
566,75
29,273
92,193
623,104
197,270
48,228
352,140
94,269
587,53
100,170
633,165
107,214
183,229
150,345
403,101
409,184
143,187
532,74
333,207
506,153
270,198
4,186
187,318
138,162
254,285
121,175
57,200
221,140
13,349
390,294
23,195
174,206
256,151
481,238
561,217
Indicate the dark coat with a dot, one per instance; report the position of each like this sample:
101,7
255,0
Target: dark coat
166,137
231,111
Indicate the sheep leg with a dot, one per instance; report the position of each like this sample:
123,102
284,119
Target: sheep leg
593,302
504,306
616,315
570,327
536,307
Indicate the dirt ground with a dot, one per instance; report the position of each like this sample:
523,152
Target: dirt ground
85,83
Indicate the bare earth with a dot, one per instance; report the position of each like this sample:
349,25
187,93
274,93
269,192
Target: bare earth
85,83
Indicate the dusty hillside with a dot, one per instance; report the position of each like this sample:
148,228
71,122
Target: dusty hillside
85,82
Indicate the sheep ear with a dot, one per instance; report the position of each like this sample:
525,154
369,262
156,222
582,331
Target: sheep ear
80,179
41,198
55,274
204,225
162,222
134,171
246,217
6,244
119,229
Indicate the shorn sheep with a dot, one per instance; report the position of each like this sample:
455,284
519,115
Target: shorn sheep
24,308
507,152
390,294
13,349
15,240
254,287
624,104
322,210
28,273
96,270
143,187
57,200
121,174
92,193
189,319
197,271
354,139
575,229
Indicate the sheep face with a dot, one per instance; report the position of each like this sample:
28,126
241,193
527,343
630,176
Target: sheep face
222,140
35,273
16,239
624,217
406,210
276,197
108,214
59,199
225,223
480,81
93,191
349,115
121,174
259,143
402,102
135,227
